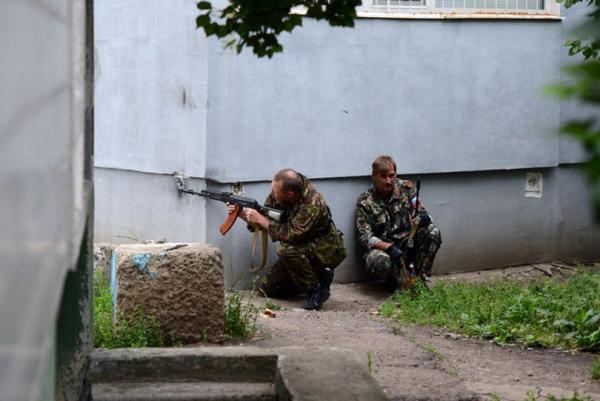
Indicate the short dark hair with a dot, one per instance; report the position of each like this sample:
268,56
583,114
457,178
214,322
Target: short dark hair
381,163
290,180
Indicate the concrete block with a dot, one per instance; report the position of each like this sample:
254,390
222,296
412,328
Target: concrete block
322,373
102,257
189,364
182,391
180,285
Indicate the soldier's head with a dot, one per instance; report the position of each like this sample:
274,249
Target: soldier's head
383,174
286,186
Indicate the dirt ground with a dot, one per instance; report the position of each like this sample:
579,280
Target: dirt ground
424,363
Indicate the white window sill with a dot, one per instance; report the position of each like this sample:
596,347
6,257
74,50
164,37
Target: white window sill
426,14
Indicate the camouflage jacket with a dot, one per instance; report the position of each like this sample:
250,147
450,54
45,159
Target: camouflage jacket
390,221
303,221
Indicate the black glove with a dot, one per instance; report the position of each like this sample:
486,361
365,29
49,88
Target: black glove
424,220
395,253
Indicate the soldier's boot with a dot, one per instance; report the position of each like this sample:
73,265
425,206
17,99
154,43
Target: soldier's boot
325,279
392,282
318,295
313,301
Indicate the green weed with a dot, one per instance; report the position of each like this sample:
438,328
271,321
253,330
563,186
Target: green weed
545,314
595,369
240,316
432,350
369,361
575,397
272,305
135,329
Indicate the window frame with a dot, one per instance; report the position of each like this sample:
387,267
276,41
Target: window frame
429,11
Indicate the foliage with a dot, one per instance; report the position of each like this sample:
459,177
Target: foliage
585,87
545,314
135,329
595,369
240,316
258,23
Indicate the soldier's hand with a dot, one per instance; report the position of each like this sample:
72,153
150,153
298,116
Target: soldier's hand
231,208
250,215
424,220
395,253
254,217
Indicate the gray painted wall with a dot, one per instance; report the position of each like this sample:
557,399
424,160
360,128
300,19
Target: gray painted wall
151,87
441,95
485,219
146,206
457,102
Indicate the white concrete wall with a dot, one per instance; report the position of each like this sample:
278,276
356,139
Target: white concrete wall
442,96
42,202
150,87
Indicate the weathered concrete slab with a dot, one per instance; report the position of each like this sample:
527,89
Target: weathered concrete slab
224,364
231,373
177,391
181,285
315,374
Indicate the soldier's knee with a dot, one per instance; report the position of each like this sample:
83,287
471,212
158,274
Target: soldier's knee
435,238
287,251
430,237
377,261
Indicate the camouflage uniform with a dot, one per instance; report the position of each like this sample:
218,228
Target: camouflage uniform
390,221
308,242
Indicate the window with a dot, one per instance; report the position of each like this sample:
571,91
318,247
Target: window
460,8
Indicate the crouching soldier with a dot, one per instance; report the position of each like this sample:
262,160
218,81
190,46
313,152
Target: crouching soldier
384,217
310,246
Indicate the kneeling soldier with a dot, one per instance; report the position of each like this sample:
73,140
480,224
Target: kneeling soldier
310,246
384,218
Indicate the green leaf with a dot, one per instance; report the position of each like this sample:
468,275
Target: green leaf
210,29
222,31
202,20
204,5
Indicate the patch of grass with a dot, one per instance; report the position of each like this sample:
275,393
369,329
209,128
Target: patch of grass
495,397
575,397
432,350
240,316
369,361
272,305
548,313
595,369
451,369
135,329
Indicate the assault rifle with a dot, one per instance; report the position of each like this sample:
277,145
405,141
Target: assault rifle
239,202
410,245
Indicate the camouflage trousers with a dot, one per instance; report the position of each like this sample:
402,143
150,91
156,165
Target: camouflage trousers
427,241
295,271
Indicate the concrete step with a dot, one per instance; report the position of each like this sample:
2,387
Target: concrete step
183,391
206,364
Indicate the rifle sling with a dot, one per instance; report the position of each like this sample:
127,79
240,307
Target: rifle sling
263,261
